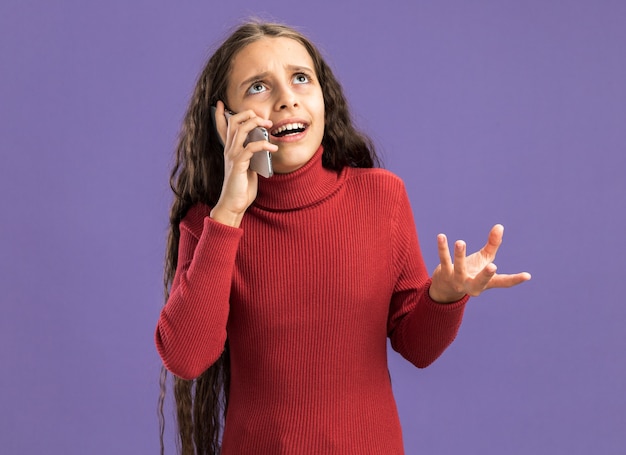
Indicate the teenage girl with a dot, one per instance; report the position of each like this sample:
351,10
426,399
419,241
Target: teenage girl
282,291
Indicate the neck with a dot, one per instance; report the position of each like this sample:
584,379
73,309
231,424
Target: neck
300,188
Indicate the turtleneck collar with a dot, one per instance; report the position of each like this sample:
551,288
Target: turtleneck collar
300,188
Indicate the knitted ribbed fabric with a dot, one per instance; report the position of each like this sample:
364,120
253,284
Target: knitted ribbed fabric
324,267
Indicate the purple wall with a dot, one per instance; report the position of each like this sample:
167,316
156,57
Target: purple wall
492,111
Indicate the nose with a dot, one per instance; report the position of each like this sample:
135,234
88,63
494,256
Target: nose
285,98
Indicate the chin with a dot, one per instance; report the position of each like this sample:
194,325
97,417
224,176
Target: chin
284,168
293,163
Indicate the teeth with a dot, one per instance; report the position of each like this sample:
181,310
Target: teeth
288,127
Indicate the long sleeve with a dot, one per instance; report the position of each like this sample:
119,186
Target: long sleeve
325,267
420,329
191,330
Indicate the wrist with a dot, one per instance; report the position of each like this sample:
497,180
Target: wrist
224,216
443,297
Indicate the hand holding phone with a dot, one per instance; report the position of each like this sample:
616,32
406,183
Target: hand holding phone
261,162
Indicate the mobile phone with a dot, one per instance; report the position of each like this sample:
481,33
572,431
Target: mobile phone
261,162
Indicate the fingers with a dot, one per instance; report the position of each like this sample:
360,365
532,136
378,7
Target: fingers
483,280
235,132
507,281
451,276
240,125
444,254
233,129
475,273
494,241
460,269
456,268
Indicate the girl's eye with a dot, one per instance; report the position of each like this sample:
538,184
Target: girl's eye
300,78
257,87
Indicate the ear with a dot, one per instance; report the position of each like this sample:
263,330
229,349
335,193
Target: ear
219,121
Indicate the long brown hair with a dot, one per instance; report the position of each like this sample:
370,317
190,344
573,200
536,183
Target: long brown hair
197,176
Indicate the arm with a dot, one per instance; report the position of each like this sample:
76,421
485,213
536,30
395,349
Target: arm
420,329
426,314
191,330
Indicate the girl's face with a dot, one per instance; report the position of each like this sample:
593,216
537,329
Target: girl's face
275,78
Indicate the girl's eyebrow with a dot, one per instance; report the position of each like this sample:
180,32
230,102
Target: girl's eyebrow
299,69
263,75
256,77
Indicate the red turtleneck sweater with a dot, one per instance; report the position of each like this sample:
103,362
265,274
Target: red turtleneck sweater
324,267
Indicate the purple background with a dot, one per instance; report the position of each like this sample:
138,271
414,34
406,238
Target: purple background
492,111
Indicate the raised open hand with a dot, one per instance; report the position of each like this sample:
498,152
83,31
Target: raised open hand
470,274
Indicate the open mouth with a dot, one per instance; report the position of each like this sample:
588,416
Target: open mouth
289,128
